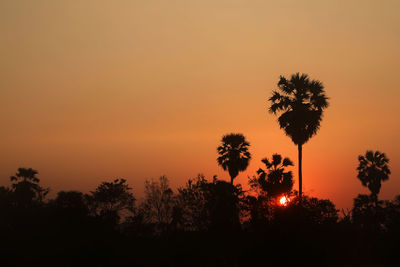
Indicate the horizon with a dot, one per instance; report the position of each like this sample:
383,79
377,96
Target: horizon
137,90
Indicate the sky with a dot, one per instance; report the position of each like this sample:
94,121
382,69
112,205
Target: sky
94,90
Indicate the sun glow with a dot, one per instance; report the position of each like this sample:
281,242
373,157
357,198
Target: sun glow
284,201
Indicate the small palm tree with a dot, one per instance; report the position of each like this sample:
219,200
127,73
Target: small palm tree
234,154
372,170
275,180
301,102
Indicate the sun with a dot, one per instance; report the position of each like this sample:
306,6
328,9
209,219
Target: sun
284,201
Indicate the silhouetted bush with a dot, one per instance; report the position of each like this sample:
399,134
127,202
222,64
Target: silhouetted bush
210,206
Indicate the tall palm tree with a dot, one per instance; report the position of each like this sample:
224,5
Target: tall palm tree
372,170
234,154
300,102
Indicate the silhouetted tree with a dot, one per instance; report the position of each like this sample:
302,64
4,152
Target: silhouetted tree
309,210
256,211
223,205
301,102
159,202
234,155
275,180
320,211
110,199
210,206
26,188
372,170
267,185
368,213
193,200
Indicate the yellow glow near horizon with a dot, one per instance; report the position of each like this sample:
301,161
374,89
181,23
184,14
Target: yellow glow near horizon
284,201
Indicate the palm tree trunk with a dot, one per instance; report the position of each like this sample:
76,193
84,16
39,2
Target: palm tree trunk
232,175
300,147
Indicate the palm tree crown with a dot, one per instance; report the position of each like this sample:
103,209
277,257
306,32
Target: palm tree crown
234,155
301,102
372,170
275,180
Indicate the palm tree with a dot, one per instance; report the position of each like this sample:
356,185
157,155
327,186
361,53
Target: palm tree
372,170
275,180
301,102
234,155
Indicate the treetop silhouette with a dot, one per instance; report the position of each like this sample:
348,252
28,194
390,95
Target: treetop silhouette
26,187
275,180
373,169
234,154
300,103
26,174
111,198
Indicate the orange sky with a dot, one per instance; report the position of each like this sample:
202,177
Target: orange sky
91,90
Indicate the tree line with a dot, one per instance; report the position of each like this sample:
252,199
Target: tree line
94,228
201,204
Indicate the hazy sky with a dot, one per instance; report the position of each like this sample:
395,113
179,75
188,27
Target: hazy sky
92,90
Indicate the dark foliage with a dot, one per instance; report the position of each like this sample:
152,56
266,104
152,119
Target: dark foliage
110,200
205,223
275,180
301,102
372,170
26,189
234,155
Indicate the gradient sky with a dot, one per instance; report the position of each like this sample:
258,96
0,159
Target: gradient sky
92,90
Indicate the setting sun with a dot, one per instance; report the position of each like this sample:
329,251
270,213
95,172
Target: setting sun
284,201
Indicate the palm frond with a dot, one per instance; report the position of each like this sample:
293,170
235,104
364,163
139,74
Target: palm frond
287,162
267,163
276,159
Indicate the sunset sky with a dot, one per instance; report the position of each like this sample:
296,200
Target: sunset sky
92,90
